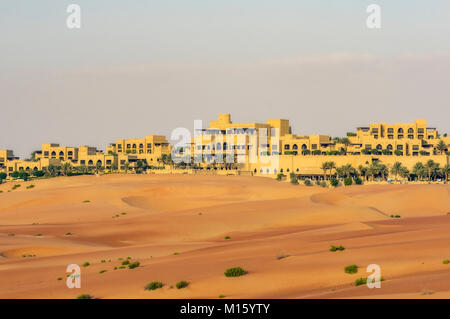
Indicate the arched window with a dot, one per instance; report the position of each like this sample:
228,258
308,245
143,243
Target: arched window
410,131
53,153
61,153
379,147
400,131
389,147
304,147
90,162
219,146
294,147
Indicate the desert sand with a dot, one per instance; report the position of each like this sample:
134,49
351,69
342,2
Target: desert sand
175,226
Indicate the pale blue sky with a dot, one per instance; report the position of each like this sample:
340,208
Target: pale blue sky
169,62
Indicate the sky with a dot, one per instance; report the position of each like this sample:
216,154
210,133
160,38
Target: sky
139,67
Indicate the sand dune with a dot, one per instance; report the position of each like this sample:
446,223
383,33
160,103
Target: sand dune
73,220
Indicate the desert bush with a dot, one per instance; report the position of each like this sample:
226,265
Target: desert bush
86,264
153,285
293,178
363,281
227,237
336,248
348,181
446,261
235,272
352,269
85,296
16,186
182,284
134,265
308,182
102,271
334,182
360,281
38,173
30,186
280,176
125,262
221,296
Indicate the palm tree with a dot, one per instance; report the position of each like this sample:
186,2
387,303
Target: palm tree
404,172
346,143
446,171
331,166
67,167
362,171
126,166
324,167
441,147
419,170
383,170
396,169
431,166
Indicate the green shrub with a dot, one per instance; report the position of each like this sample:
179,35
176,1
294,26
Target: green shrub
308,182
334,182
227,237
182,284
280,176
102,271
30,186
154,285
125,262
15,174
59,278
221,296
38,173
176,253
134,265
336,248
85,296
235,272
360,281
294,179
3,175
352,269
86,264
348,181
86,201
446,261
358,181
16,186
23,175
363,281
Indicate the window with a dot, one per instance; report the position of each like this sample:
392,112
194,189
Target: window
420,136
400,147
286,146
368,146
390,130
400,137
390,137
314,146
400,131
410,131
410,136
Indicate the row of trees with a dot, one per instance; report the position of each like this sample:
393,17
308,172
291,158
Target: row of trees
430,171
